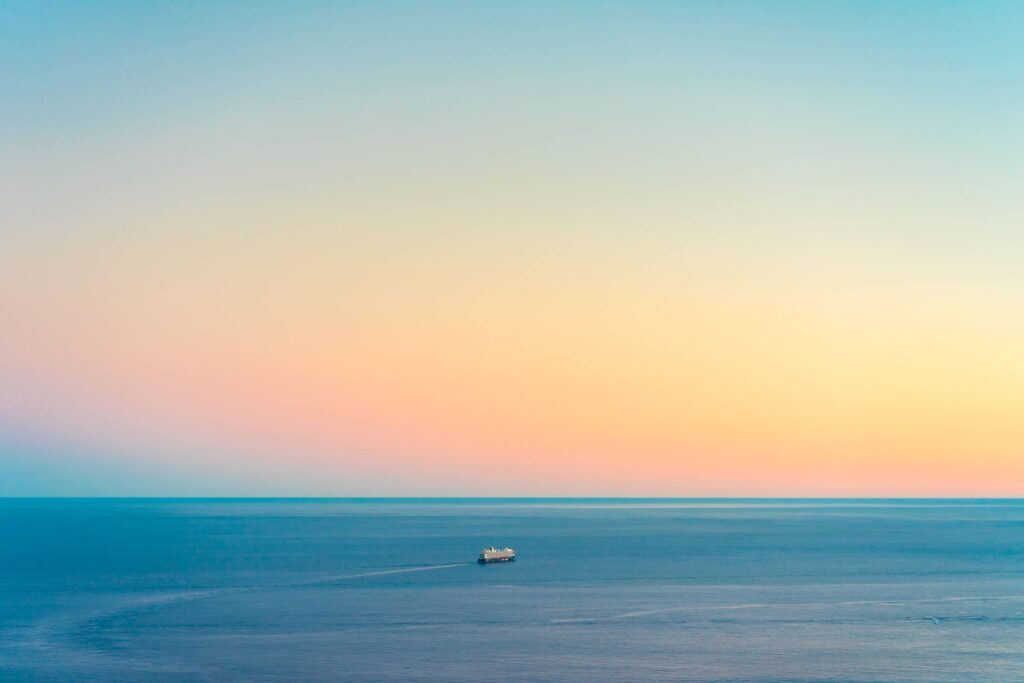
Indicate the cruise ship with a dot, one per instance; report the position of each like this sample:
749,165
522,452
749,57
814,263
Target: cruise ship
493,554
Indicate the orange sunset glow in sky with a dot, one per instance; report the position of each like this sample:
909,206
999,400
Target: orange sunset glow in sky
646,250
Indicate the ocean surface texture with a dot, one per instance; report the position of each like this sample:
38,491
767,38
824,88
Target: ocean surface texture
603,590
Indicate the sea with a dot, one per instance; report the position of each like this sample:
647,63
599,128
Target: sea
602,590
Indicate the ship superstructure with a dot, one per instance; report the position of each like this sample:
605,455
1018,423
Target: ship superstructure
493,554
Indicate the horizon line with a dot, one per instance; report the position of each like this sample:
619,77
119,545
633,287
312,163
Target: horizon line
516,498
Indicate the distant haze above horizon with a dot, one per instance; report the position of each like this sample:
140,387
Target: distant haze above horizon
560,248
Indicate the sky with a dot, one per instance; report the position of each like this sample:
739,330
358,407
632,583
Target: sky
530,248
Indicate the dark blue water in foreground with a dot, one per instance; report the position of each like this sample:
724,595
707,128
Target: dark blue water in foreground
342,590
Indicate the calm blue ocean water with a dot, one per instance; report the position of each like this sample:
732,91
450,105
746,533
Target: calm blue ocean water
347,590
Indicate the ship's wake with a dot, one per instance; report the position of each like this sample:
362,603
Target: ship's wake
77,632
383,572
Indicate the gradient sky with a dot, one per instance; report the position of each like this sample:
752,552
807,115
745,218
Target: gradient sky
593,248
